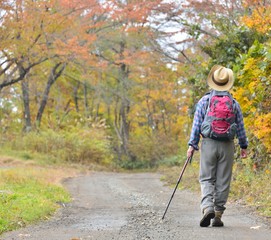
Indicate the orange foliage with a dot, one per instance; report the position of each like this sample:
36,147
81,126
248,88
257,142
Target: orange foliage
253,93
263,129
50,26
260,17
260,20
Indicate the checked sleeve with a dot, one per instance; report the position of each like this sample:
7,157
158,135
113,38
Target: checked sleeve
241,133
198,119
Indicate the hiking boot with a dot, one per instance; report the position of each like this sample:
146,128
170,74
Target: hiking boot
217,220
208,214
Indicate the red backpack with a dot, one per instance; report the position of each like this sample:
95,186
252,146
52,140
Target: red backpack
219,121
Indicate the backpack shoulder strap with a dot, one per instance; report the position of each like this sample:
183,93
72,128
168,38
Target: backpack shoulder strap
210,95
233,103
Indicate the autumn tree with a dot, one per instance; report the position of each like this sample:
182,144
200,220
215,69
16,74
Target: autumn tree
234,34
122,49
49,35
253,79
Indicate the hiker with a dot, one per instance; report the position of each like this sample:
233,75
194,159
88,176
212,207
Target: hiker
218,118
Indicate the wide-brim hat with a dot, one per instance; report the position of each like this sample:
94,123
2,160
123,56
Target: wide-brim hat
220,78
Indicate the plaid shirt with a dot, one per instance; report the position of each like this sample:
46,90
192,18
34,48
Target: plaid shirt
199,117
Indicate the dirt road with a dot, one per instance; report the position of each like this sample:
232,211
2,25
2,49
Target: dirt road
129,207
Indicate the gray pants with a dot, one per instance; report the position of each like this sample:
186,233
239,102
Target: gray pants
216,160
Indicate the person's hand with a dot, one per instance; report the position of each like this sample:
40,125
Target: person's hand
190,152
243,153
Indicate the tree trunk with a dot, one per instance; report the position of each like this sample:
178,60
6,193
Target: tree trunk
86,104
122,108
26,113
75,96
54,75
125,126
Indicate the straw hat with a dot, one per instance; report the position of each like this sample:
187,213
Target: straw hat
220,78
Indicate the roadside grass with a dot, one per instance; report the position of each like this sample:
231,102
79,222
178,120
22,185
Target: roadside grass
171,173
252,186
29,194
249,187
33,165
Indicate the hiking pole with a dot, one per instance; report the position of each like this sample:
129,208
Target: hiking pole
189,159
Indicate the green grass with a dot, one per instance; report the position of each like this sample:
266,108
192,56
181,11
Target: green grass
26,197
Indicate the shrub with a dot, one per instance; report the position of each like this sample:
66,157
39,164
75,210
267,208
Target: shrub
149,151
82,145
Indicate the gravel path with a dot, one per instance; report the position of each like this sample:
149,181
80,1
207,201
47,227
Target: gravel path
124,206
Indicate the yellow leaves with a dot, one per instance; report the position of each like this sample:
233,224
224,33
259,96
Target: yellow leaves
253,93
241,96
260,19
250,63
249,97
252,85
263,123
262,127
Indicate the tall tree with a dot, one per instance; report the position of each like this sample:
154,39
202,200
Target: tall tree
121,49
